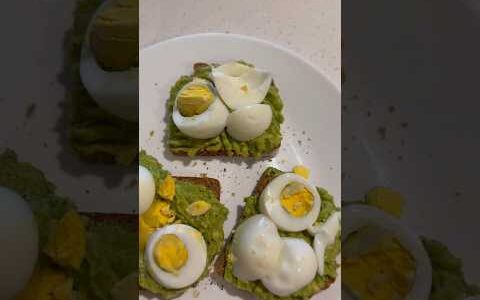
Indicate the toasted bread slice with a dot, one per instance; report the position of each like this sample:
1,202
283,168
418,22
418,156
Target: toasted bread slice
221,262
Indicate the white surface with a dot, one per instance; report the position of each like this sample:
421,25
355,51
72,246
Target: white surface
358,216
310,28
311,130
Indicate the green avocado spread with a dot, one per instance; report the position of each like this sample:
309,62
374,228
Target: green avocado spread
94,133
319,282
111,247
209,224
258,147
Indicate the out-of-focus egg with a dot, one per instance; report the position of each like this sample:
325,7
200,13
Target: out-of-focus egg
240,85
176,255
19,243
249,122
114,91
291,202
204,119
256,248
146,189
297,267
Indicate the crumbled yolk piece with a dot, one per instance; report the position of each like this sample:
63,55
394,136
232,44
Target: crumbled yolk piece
302,171
170,253
198,208
194,100
166,190
67,241
382,273
47,283
386,199
159,214
144,231
244,88
296,199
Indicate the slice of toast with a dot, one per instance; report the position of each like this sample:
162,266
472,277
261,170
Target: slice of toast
221,263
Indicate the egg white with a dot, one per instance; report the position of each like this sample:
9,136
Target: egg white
249,122
196,262
146,189
231,78
206,125
270,204
297,267
117,91
19,241
256,248
324,235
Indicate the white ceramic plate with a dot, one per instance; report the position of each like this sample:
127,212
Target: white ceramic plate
311,130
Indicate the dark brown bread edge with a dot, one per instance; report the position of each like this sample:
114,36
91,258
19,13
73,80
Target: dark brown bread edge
221,262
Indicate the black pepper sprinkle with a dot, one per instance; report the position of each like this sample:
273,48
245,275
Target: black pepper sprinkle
369,114
391,109
404,125
382,132
399,157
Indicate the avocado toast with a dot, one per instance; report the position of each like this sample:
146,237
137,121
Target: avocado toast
207,218
223,144
224,264
75,249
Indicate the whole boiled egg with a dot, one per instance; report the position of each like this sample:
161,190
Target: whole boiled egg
291,202
198,112
109,58
249,122
256,248
296,267
19,240
176,255
146,189
240,85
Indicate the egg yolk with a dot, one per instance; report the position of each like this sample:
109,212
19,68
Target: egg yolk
387,200
198,208
144,231
166,190
159,214
296,199
302,171
194,100
170,253
47,283
382,273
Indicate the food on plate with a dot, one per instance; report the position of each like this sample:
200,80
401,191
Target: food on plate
102,73
231,109
57,252
180,232
376,265
289,255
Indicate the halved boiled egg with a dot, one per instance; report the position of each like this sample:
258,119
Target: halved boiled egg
240,85
198,112
249,122
146,189
256,248
19,240
176,255
115,89
291,202
296,267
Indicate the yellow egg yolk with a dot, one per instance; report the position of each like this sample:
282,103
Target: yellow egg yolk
48,283
296,199
170,253
144,231
67,241
194,100
384,272
198,208
302,171
159,214
166,190
386,199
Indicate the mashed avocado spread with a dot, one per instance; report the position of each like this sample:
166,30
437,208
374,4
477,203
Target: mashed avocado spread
109,253
320,282
264,144
210,224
